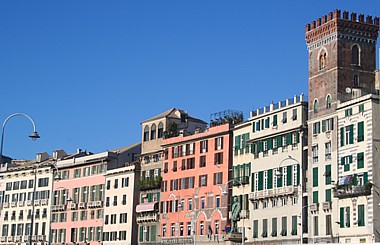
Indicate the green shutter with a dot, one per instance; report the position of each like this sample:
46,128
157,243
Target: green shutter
253,127
348,217
342,161
342,136
255,229
351,134
328,174
297,137
279,141
158,196
243,143
279,179
153,233
141,234
237,142
315,177
260,146
355,180
150,197
270,178
275,120
360,159
298,174
315,196
289,139
328,195
270,143
360,131
261,180
294,225
341,220
361,221
365,177
253,183
289,176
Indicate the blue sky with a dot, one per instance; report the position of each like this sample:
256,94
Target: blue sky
88,72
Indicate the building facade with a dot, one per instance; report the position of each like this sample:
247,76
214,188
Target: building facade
168,124
269,156
194,207
342,61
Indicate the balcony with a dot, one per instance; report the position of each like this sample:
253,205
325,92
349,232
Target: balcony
282,191
6,205
352,191
21,204
150,183
314,207
147,218
13,204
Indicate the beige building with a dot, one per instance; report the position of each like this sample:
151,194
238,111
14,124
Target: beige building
268,156
168,124
17,210
120,225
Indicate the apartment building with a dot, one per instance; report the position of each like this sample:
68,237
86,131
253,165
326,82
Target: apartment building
168,124
121,193
357,198
269,157
79,196
19,223
342,60
194,205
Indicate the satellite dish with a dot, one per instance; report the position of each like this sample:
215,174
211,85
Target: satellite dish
348,90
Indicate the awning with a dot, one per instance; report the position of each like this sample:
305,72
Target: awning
345,180
145,207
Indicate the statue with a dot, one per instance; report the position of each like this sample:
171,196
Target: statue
235,214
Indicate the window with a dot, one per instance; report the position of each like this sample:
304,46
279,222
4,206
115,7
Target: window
43,182
217,201
202,161
255,228
274,123
355,55
202,180
361,215
265,228
284,230
327,174
315,106
328,224
347,135
203,202
201,228
218,158
316,128
294,225
125,182
345,162
315,219
160,132
328,150
327,125
218,178
315,153
123,218
219,143
294,117
76,173
328,102
315,196
322,60
146,133
360,131
284,117
190,204
204,144
360,160
361,108
348,112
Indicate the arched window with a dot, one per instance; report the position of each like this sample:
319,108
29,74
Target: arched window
146,133
328,102
153,132
356,81
322,60
160,130
315,106
355,55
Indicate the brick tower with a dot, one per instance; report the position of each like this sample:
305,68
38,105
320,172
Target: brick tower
342,54
342,62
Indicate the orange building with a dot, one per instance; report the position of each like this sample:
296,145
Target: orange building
195,174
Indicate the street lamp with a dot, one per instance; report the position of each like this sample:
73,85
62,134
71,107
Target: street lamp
225,192
34,136
56,177
279,174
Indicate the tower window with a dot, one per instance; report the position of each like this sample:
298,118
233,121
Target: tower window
146,133
153,132
355,55
315,109
322,60
328,102
356,81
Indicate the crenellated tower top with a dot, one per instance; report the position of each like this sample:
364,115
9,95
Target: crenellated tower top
336,25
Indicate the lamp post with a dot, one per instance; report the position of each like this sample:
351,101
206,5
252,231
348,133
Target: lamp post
279,174
33,197
34,136
225,192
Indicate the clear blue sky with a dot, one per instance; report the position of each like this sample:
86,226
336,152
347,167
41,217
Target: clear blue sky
88,72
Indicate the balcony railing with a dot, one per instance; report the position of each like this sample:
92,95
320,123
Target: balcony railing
282,191
240,180
352,191
147,218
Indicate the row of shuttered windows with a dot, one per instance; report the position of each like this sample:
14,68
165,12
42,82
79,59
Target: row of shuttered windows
263,232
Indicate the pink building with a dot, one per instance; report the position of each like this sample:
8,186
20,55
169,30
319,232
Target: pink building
195,174
79,196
